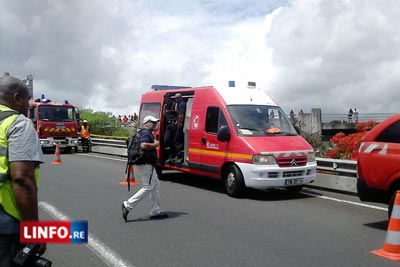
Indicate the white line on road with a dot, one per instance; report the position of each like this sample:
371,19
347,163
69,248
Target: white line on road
345,201
102,157
106,254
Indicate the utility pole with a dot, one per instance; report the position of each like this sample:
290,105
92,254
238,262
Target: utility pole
29,82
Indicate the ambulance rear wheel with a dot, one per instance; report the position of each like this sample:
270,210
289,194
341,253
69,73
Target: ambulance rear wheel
234,182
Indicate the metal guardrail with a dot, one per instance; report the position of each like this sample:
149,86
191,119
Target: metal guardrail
108,142
337,167
362,117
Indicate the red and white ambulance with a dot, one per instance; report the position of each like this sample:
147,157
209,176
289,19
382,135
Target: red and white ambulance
236,134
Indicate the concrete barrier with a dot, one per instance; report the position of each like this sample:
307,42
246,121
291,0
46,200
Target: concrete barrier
335,183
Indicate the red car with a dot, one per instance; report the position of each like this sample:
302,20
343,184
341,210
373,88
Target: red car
378,163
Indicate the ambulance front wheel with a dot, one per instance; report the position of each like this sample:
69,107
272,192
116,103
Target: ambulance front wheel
234,182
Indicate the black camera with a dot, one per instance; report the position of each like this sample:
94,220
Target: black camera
26,256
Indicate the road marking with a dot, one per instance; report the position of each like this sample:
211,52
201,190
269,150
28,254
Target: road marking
106,254
102,157
346,201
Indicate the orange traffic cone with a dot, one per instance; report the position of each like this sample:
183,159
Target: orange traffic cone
57,156
131,179
391,247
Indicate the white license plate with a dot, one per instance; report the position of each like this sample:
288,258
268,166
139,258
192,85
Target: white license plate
294,181
60,126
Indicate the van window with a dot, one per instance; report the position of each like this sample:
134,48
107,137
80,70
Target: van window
214,120
256,120
391,134
147,109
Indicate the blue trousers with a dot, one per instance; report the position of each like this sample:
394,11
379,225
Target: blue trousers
8,246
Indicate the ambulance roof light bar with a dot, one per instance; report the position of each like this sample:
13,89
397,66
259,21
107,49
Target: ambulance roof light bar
157,87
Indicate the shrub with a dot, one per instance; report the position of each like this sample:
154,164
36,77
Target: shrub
346,146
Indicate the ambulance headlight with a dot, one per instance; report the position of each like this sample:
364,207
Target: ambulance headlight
311,157
264,160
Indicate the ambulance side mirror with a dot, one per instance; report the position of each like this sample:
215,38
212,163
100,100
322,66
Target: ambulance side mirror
224,134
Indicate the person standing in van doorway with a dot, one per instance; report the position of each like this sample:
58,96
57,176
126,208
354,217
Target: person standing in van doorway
147,173
171,115
181,108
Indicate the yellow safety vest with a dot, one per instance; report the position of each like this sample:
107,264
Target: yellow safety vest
7,199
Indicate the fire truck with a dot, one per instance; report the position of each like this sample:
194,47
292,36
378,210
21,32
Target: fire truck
55,123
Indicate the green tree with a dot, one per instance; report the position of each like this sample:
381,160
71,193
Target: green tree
104,123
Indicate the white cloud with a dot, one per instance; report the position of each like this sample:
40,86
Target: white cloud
104,54
330,54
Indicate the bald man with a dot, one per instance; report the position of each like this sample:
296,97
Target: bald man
20,157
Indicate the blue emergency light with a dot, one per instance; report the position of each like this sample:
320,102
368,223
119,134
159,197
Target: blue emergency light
231,83
44,99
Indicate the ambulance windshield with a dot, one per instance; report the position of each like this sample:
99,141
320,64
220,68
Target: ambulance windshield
260,120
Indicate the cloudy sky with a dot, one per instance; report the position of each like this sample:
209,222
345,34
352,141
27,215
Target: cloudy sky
104,54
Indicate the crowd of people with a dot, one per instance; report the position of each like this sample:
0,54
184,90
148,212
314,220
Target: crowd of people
127,119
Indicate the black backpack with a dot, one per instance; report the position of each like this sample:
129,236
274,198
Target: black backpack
135,153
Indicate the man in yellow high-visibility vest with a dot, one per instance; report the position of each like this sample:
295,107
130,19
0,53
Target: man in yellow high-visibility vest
20,157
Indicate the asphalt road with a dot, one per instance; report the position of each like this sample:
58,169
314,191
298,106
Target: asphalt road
205,226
